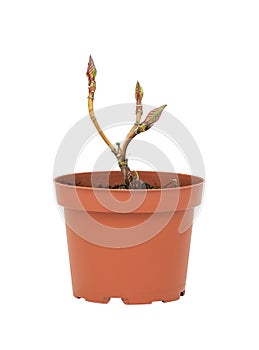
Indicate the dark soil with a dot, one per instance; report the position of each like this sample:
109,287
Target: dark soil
135,184
141,186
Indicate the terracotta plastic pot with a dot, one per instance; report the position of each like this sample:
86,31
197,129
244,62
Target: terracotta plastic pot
128,244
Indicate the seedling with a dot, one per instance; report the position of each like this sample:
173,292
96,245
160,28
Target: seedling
130,180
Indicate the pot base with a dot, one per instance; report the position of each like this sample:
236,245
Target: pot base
133,300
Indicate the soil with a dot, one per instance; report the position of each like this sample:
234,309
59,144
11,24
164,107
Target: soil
135,184
141,186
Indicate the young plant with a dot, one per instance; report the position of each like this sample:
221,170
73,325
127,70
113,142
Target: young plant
130,181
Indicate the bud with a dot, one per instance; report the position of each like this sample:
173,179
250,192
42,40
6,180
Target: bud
153,116
138,93
91,70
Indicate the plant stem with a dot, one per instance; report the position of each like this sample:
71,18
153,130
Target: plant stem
122,160
172,181
96,124
91,73
120,153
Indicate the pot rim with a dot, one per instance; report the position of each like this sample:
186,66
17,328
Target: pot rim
199,181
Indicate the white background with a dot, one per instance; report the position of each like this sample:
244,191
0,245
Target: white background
199,57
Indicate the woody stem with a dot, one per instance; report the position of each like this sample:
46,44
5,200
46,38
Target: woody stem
95,122
122,160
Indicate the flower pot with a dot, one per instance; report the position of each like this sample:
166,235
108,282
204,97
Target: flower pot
128,244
